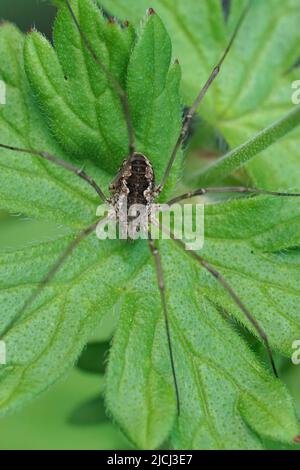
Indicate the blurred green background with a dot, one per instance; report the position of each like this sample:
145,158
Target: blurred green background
70,415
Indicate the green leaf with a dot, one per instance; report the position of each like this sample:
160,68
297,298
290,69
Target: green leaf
229,398
83,111
46,342
93,358
23,430
235,159
73,93
153,96
254,87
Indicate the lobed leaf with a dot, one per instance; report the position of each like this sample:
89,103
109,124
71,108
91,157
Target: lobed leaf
224,395
93,358
46,342
254,88
238,157
229,398
81,105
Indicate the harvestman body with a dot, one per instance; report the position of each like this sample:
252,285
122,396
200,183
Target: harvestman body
135,181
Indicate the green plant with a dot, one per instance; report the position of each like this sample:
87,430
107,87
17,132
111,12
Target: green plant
60,102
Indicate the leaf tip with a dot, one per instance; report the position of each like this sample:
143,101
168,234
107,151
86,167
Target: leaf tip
176,62
151,11
31,29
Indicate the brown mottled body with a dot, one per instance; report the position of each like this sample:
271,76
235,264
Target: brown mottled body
135,183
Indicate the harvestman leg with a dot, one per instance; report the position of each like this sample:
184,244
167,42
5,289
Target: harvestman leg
124,101
192,110
213,271
57,161
76,171
233,189
154,251
73,169
49,276
119,90
218,276
161,286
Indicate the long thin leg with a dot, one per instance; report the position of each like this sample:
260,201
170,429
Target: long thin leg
119,90
236,299
161,285
49,276
193,108
233,189
217,275
62,163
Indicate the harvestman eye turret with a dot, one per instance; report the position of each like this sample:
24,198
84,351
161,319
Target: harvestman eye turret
136,181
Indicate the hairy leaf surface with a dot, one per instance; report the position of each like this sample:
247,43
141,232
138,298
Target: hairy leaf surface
229,398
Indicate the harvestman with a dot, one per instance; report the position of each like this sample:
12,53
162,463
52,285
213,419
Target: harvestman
136,181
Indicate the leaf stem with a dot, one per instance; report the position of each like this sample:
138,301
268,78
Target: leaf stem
241,155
